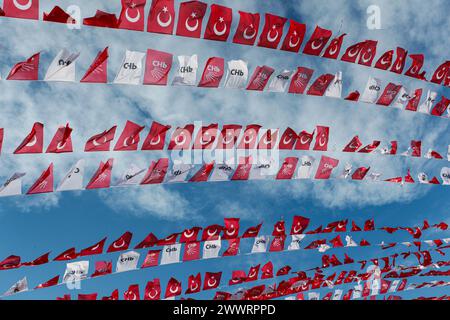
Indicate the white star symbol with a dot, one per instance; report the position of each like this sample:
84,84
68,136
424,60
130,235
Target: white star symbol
221,19
165,9
193,15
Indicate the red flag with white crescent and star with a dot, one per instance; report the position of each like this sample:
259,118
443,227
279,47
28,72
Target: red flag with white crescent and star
190,18
318,41
26,70
101,141
33,142
23,9
334,48
153,290
294,37
181,138
129,138
121,244
161,17
272,31
219,24
156,137
132,16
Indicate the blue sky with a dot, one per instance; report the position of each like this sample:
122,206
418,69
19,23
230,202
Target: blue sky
32,225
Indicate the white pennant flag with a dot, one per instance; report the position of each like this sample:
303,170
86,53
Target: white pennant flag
280,81
334,90
260,244
372,91
295,242
426,106
73,180
178,173
337,294
265,169
305,168
19,286
374,176
187,71
171,254
127,261
350,242
76,271
237,74
223,172
211,248
62,67
423,178
445,176
131,69
132,176
13,186
402,100
394,285
313,295
347,171
357,291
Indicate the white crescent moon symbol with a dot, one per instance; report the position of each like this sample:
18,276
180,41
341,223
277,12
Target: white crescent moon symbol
195,287
125,142
132,20
219,33
95,143
183,140
248,139
173,291
95,248
23,7
164,24
202,141
367,59
152,296
314,47
272,39
398,66
440,74
248,37
302,141
322,141
59,146
32,142
334,50
213,283
287,140
229,140
122,243
188,27
351,54
252,274
266,142
211,234
293,45
231,233
278,229
383,61
296,230
188,234
414,69
158,140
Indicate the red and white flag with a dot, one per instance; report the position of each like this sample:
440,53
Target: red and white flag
33,142
288,139
416,148
121,244
190,235
58,15
389,94
50,283
98,71
69,254
213,73
318,41
181,138
44,184
203,174
149,241
414,70
191,251
268,140
413,103
334,48
287,169
370,147
252,232
326,167
100,142
441,73
353,145
243,169
368,52
211,232
102,19
353,96
194,284
102,268
321,85
322,137
157,67
272,31
94,249
260,78
212,280
26,70
299,225
161,17
252,274
249,137
233,247
132,293
153,290
129,138
294,38
400,61
151,259
247,29
237,277
385,61
304,140
190,18
267,271
132,16
23,9
352,53
279,229
219,23
156,137
102,177
360,173
231,229
156,172
277,244
300,80
440,107
173,288
228,136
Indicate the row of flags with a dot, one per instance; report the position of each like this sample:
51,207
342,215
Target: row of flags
161,19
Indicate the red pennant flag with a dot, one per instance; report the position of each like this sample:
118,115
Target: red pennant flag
334,48
102,177
283,271
355,227
102,268
272,31
369,225
113,297
122,243
317,42
151,259
169,240
267,270
260,78
190,18
161,17
206,137
287,169
371,147
304,140
243,169
442,72
300,80
213,73
69,254
173,288
132,16
252,232
247,29
100,142
58,15
252,274
191,251
102,19
156,172
129,138
250,136
399,63
190,235
94,249
268,140
279,229
228,136
277,244
321,84
132,293
231,230
368,52
98,71
439,109
353,96
181,138
50,283
11,262
26,70
416,67
212,280
237,277
299,225
33,142
153,290
194,284
390,92
44,184
294,37
416,148
219,23
203,174
322,138
38,261
287,140
337,242
23,9
157,67
326,167
385,60
211,232
434,181
156,137
353,145
149,241
413,103
352,53
360,173
233,247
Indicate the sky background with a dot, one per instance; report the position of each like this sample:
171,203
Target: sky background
33,225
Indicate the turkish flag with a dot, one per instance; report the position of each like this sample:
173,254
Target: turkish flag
69,254
304,140
416,148
26,70
203,174
247,29
260,78
151,259
252,274
243,169
231,230
190,18
219,23
156,172
161,17
113,297
321,84
268,140
416,67
353,145
400,61
156,137
385,61
173,288
33,142
250,136
132,16
390,92
98,70
102,268
100,142
369,225
149,241
44,184
360,173
294,37
252,232
121,244
206,137
413,103
442,72
287,169
211,232
228,136
59,15
129,138
190,235
279,229
337,242
181,138
300,80
212,280
439,109
191,251
169,240
94,249
368,52
38,261
326,167
322,138
213,73
272,31
267,270
370,147
318,41
50,283
157,67
102,177
102,19
11,262
132,293
299,225
288,139
353,96
352,53
233,247
237,277
153,290
334,48
194,284
23,9
283,271
277,244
